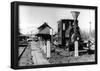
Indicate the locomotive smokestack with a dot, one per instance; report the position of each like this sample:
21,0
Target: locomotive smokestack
75,14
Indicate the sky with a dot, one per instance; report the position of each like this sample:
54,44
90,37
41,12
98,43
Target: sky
31,17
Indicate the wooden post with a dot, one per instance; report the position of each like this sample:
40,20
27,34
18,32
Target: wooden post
48,49
76,48
40,43
44,47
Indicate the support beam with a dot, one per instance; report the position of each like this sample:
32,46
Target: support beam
48,49
76,48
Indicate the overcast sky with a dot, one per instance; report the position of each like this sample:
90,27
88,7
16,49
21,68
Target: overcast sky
31,17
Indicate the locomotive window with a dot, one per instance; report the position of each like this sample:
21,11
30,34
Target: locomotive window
63,26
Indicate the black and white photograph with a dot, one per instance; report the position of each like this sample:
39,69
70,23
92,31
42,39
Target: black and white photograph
55,35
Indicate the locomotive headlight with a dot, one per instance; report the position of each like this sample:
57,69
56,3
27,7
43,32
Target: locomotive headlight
92,47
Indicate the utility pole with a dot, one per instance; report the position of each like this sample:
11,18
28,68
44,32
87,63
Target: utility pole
90,28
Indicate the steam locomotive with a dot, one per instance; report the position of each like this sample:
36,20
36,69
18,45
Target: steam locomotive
66,35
